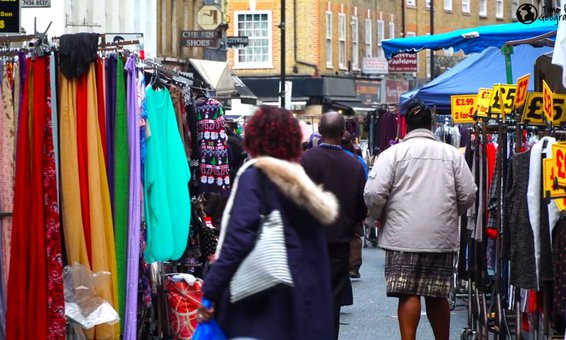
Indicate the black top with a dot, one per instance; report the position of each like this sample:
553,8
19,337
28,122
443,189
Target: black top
344,176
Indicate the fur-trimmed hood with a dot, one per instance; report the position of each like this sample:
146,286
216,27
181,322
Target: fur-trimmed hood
295,184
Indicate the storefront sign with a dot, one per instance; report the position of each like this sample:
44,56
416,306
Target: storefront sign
369,91
374,66
533,110
548,180
237,42
9,16
483,100
199,39
35,3
559,163
404,63
522,88
462,108
394,88
209,17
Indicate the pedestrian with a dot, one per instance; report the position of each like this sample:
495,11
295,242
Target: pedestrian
418,189
343,175
275,180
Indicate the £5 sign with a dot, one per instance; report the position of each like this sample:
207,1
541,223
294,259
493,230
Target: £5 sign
503,99
462,108
533,111
559,166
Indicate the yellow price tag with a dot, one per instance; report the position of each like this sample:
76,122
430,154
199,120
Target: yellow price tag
462,108
533,112
503,99
558,112
548,180
547,101
522,89
559,162
560,203
482,102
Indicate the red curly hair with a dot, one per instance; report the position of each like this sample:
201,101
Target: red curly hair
274,132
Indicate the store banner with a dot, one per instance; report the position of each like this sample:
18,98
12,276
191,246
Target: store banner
373,65
369,91
404,63
10,16
394,88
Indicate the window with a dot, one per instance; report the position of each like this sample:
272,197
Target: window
410,35
514,6
499,9
329,39
368,52
355,44
391,30
427,3
448,5
342,40
380,32
483,8
257,26
428,56
465,6
411,3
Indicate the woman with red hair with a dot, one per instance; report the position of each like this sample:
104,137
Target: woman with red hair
273,179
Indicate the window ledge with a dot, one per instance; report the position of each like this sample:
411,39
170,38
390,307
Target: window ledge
500,18
342,68
483,16
466,13
251,66
412,6
449,11
329,66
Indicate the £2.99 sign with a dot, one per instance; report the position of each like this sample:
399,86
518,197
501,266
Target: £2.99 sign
462,108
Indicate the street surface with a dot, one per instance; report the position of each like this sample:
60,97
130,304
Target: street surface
374,316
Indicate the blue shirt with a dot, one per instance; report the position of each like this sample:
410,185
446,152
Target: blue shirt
360,158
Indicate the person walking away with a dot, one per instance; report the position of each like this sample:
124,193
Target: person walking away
356,243
274,180
344,176
418,189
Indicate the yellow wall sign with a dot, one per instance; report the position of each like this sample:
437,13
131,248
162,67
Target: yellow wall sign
522,89
462,108
547,101
533,112
483,100
503,99
559,163
548,180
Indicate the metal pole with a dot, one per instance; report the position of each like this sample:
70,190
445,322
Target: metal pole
431,33
282,26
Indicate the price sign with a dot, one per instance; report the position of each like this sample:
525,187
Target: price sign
503,99
559,163
560,203
559,114
533,111
463,108
483,100
547,101
522,88
548,180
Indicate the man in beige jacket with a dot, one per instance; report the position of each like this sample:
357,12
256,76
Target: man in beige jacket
418,189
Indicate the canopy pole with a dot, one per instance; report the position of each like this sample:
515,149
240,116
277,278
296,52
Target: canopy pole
507,51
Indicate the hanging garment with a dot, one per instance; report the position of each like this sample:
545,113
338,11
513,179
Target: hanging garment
101,95
55,124
121,183
214,175
103,245
111,64
559,266
56,299
166,179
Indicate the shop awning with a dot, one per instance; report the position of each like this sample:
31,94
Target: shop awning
469,40
350,106
216,74
243,92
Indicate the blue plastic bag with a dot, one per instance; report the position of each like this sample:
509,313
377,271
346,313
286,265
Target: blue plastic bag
208,330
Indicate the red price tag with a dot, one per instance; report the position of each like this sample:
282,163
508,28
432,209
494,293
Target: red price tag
522,89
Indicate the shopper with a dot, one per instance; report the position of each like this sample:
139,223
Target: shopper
417,189
273,141
344,176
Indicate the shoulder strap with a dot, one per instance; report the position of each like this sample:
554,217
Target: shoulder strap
264,197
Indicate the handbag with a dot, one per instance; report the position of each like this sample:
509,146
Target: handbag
266,266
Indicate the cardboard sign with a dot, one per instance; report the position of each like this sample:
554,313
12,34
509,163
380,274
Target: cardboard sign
559,163
483,100
503,99
533,112
462,108
548,180
560,203
522,89
547,101
558,112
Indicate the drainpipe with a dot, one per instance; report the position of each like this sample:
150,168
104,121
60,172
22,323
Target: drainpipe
297,61
403,18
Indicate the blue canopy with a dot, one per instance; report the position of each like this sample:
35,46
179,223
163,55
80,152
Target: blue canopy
478,70
469,40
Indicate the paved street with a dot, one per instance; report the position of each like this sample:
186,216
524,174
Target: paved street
374,315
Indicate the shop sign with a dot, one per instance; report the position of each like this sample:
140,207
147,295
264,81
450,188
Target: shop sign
36,3
522,88
369,91
9,16
533,110
404,63
462,108
559,164
372,65
550,191
483,100
394,88
209,17
237,42
503,99
199,39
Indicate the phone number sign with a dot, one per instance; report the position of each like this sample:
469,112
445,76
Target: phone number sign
462,108
9,16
